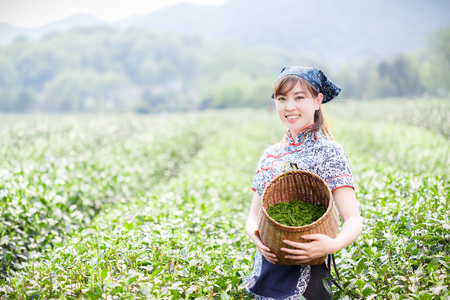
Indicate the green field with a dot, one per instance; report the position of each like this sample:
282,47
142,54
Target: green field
150,206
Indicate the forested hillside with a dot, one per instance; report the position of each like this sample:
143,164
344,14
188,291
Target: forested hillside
115,70
140,70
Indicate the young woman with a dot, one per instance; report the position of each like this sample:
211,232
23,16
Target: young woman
298,94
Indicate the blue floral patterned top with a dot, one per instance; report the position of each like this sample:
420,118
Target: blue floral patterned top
322,157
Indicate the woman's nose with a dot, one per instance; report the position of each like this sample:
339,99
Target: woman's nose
290,105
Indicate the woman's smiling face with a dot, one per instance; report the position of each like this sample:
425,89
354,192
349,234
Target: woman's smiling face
296,108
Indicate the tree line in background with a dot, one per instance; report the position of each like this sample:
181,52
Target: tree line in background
425,72
140,70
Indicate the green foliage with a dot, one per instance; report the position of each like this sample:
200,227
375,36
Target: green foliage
86,90
436,68
173,195
400,77
102,69
432,114
403,186
408,74
295,213
69,168
163,235
8,73
112,70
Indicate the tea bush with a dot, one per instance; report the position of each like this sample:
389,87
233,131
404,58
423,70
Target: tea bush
176,231
57,173
404,190
427,113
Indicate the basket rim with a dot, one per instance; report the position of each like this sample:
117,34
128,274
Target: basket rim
304,227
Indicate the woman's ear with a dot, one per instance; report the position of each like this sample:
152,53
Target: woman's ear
319,100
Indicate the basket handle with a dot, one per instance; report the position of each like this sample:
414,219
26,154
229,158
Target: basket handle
293,165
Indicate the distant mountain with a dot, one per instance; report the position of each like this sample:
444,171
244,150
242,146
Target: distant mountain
8,33
319,29
341,29
78,20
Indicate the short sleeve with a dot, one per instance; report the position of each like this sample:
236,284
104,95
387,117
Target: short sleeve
336,168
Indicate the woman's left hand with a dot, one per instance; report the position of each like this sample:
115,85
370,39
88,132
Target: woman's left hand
317,245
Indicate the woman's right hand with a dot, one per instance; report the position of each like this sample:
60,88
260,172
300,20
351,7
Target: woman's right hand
265,251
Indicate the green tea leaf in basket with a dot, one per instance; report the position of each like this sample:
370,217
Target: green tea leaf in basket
295,213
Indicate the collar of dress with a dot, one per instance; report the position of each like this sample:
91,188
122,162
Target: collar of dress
301,138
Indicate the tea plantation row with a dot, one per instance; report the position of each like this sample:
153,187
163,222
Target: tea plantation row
161,204
58,172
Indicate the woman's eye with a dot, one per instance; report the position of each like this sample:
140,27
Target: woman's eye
281,99
299,97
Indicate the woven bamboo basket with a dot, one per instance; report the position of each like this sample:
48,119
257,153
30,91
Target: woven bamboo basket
289,186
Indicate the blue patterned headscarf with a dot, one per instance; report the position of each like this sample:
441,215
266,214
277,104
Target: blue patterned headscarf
316,78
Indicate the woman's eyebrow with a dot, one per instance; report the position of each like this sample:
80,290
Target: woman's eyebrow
295,93
299,92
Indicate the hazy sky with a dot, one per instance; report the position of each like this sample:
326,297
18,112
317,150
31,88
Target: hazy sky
35,13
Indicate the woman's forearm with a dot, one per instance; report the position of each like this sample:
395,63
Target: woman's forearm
252,221
251,226
349,232
347,206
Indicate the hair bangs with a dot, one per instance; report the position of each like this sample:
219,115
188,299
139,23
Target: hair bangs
287,83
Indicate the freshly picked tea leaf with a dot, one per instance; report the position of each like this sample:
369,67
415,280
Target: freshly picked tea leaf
295,213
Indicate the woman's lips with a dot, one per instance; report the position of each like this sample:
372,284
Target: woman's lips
292,118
